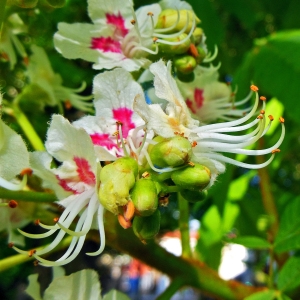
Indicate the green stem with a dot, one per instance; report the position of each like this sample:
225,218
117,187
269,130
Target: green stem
2,14
163,176
184,226
27,128
170,189
174,286
17,259
271,270
27,196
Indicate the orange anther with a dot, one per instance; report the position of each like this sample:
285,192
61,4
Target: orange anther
68,104
275,151
129,211
11,244
254,88
262,112
115,133
31,252
146,174
263,98
271,117
36,263
37,222
260,117
125,224
194,143
154,39
56,219
132,22
191,164
119,123
193,50
26,171
281,120
150,14
12,203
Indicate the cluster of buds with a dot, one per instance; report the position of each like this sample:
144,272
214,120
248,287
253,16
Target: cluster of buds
134,195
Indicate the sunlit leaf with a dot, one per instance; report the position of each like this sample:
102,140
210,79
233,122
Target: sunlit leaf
115,295
289,276
77,286
252,242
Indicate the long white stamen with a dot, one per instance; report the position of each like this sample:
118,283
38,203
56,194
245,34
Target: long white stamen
172,26
101,232
210,57
12,186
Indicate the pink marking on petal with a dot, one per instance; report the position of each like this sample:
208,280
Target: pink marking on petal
102,139
199,98
106,44
124,115
190,105
119,22
64,184
84,171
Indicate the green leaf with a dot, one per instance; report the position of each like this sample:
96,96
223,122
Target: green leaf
115,295
288,237
33,288
77,286
274,66
252,242
289,276
264,295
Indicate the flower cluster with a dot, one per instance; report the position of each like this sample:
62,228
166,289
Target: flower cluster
139,146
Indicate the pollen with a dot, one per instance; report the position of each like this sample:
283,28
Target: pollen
115,133
260,117
281,120
132,22
275,151
254,88
263,98
119,123
271,117
68,104
56,219
150,14
154,39
194,144
26,171
37,222
262,112
12,203
191,164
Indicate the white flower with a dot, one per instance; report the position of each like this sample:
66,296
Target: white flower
208,141
41,75
75,184
210,100
121,37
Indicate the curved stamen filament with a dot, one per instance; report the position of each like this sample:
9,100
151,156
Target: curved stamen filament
172,26
12,186
210,57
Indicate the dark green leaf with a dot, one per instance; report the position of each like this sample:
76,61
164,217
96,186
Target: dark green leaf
289,276
288,237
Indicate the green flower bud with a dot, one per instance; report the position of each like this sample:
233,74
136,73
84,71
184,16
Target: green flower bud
117,179
146,228
193,196
180,48
144,197
173,152
185,64
169,17
201,55
192,178
197,36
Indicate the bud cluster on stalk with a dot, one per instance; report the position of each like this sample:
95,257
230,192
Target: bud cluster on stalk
134,193
185,44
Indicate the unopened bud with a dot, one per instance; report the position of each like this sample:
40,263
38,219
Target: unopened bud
146,228
117,179
168,17
192,178
193,196
185,64
197,35
173,152
144,197
181,46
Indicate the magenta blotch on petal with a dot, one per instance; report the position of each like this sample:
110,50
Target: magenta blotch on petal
102,139
106,44
84,171
124,115
119,22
